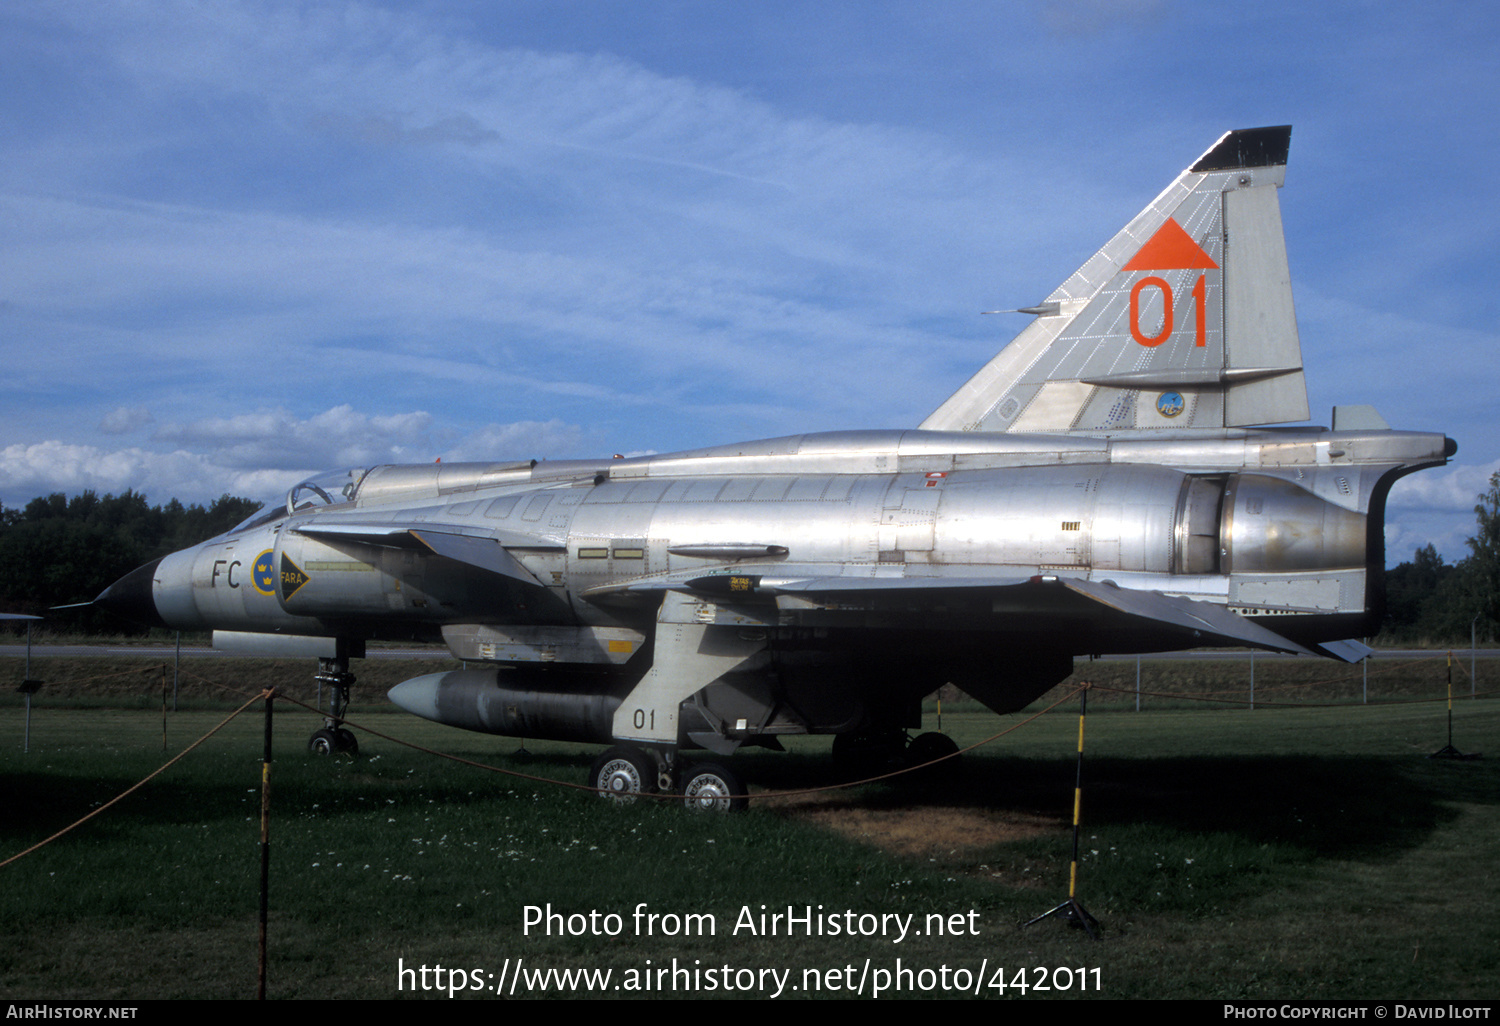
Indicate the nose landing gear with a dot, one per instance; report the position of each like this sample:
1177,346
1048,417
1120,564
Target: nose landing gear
334,738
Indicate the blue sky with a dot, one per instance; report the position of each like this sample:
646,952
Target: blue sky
248,241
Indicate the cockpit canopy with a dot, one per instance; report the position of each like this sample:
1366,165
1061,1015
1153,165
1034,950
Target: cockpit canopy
387,483
329,488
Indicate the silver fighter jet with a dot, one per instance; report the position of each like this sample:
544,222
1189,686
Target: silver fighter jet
1103,485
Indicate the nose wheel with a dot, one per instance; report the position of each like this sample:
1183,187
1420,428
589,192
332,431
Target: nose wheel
332,741
334,738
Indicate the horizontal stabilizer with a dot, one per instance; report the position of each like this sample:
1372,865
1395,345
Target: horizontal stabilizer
1183,320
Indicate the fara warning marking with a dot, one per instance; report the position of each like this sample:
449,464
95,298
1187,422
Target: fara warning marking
292,577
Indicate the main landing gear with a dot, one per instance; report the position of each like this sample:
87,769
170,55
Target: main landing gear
624,772
876,753
334,738
713,788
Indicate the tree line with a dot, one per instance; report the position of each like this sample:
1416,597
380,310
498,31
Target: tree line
1442,602
56,550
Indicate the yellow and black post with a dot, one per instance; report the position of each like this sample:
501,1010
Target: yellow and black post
1448,751
1070,910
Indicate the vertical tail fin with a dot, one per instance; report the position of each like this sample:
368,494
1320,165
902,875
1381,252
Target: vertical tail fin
1183,320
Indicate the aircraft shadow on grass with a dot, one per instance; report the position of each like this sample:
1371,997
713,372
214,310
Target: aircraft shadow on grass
1334,806
1345,807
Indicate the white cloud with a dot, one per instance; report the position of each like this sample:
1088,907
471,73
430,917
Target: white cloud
124,419
1407,532
523,440
1453,488
1435,507
263,453
27,471
277,439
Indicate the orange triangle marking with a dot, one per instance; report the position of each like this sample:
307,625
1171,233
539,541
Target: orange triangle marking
1169,249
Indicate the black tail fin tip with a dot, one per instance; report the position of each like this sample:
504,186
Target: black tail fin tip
1247,147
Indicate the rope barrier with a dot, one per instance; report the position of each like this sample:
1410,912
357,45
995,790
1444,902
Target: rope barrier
1206,697
905,770
136,787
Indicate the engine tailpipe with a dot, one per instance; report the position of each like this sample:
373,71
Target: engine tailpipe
1273,526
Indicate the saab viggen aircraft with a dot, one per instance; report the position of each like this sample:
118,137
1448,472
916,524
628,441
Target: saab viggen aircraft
1105,484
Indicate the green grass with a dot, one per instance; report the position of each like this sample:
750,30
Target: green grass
1274,853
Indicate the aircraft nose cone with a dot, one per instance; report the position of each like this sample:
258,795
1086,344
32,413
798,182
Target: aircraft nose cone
131,596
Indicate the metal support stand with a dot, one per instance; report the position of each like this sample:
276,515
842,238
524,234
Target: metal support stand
28,686
1473,644
1071,911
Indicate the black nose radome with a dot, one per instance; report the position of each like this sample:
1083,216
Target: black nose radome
130,597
